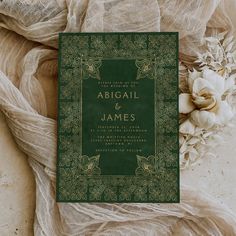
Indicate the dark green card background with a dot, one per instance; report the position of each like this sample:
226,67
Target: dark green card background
87,175
118,163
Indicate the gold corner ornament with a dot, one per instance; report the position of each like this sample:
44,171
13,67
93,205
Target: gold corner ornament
88,165
90,68
147,166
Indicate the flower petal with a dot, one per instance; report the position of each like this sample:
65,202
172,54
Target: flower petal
185,103
215,80
187,127
181,139
193,154
230,82
204,95
224,113
192,76
203,119
200,84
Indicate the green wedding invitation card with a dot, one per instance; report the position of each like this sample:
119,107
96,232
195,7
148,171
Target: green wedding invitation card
118,117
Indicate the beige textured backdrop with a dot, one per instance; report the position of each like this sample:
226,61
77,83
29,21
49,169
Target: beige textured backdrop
17,194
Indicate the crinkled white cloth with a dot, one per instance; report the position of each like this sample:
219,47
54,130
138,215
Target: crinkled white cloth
28,85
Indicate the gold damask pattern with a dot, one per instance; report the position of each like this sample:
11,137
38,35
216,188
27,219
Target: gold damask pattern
116,45
119,188
156,178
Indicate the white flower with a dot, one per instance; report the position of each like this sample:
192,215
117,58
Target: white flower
207,100
204,101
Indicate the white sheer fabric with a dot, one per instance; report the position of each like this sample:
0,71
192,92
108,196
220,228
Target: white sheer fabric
28,98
